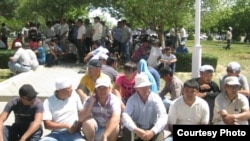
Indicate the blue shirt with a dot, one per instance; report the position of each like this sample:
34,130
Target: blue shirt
41,56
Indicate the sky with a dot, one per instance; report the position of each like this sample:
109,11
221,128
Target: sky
101,14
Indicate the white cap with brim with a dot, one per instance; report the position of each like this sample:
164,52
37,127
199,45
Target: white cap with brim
235,66
232,80
103,81
205,68
62,83
141,80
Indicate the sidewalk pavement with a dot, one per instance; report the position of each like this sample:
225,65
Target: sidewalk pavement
43,81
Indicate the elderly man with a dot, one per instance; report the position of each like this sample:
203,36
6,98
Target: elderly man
208,89
231,107
20,62
28,111
61,113
104,109
86,86
234,69
149,124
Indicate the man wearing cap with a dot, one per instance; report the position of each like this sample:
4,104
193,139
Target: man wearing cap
20,62
149,124
208,89
61,113
229,38
234,69
231,107
28,112
182,48
101,113
86,86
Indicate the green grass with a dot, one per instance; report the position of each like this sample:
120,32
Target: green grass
4,74
239,52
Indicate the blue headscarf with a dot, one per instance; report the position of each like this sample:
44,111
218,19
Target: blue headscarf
143,67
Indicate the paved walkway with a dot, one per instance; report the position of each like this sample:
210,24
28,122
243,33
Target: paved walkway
43,80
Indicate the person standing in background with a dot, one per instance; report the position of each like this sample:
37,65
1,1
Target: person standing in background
64,31
229,38
88,28
4,34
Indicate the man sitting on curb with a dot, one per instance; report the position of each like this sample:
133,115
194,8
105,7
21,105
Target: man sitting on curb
101,114
61,113
28,111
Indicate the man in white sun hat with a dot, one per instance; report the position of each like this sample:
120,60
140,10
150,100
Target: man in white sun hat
61,113
147,125
231,107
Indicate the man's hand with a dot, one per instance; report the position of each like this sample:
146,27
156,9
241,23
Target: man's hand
205,87
148,135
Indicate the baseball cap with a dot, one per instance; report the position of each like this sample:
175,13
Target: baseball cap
232,80
18,44
205,68
235,66
230,28
141,80
28,91
94,63
103,81
62,83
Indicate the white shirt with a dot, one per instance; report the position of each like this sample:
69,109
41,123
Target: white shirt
154,54
181,113
22,57
62,111
81,32
98,28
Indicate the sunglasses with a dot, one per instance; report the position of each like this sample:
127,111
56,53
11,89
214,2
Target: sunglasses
28,99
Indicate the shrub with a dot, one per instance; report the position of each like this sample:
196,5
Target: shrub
210,37
190,37
4,58
184,61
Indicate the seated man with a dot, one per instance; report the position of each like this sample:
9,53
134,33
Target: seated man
184,110
231,107
101,113
61,113
28,111
86,86
173,86
182,48
234,69
20,62
208,89
149,124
